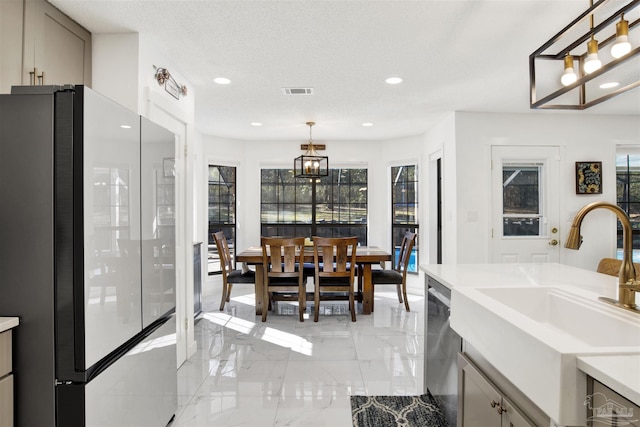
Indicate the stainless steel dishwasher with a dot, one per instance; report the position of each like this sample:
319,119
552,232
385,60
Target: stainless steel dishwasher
442,346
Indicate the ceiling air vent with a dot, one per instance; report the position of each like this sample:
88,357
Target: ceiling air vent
297,90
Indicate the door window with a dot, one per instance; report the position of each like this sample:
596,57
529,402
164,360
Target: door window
521,200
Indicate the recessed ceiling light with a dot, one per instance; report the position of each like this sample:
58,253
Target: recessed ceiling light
125,126
609,85
367,124
256,124
222,80
394,80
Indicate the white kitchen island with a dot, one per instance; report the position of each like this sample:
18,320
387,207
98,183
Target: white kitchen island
503,312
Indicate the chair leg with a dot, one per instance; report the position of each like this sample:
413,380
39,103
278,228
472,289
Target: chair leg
266,306
224,295
352,306
404,292
316,302
302,301
229,287
399,291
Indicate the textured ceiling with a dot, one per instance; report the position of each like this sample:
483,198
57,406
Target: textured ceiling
454,55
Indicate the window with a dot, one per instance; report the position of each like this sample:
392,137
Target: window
404,206
628,197
222,211
521,206
335,205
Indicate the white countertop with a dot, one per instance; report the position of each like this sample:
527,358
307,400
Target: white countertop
516,275
8,323
620,372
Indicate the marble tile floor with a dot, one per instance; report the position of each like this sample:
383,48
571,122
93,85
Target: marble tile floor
287,373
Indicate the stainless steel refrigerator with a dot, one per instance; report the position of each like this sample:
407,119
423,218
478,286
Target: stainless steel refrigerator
87,259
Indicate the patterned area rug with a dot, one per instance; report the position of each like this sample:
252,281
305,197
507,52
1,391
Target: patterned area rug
401,411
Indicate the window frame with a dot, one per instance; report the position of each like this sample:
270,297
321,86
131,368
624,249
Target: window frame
229,226
399,228
627,175
319,198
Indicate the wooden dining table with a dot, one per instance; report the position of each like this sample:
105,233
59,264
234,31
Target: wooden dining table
366,257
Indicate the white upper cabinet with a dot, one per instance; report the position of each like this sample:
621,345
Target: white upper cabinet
42,46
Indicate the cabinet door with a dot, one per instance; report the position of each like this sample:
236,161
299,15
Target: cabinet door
6,401
11,21
5,353
56,45
512,417
480,401
610,408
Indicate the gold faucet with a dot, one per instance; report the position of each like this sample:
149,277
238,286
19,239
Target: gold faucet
627,283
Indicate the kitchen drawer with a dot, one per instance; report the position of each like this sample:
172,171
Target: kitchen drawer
6,401
5,353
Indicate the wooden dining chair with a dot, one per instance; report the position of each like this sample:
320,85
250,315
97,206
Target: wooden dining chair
397,275
229,274
611,266
282,260
335,265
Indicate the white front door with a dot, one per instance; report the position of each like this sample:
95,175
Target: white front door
525,193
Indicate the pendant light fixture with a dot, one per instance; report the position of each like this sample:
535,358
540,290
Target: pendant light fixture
311,164
569,76
621,46
588,73
592,63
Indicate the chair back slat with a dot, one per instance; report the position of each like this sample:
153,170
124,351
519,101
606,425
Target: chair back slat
274,255
405,252
223,252
326,252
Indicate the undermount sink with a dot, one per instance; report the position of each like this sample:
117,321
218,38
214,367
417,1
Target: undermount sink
590,321
533,336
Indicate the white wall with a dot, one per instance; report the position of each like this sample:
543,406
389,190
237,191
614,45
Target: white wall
463,141
581,138
251,156
115,70
440,143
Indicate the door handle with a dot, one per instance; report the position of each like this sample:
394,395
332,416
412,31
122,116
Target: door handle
554,242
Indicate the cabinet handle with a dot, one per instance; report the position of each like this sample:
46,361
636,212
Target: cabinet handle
34,78
501,410
494,404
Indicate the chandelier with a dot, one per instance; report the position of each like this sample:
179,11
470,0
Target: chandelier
575,71
311,164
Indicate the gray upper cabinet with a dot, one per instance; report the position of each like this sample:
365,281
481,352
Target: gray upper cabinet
42,46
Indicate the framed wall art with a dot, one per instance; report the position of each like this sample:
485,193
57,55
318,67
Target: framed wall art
588,177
